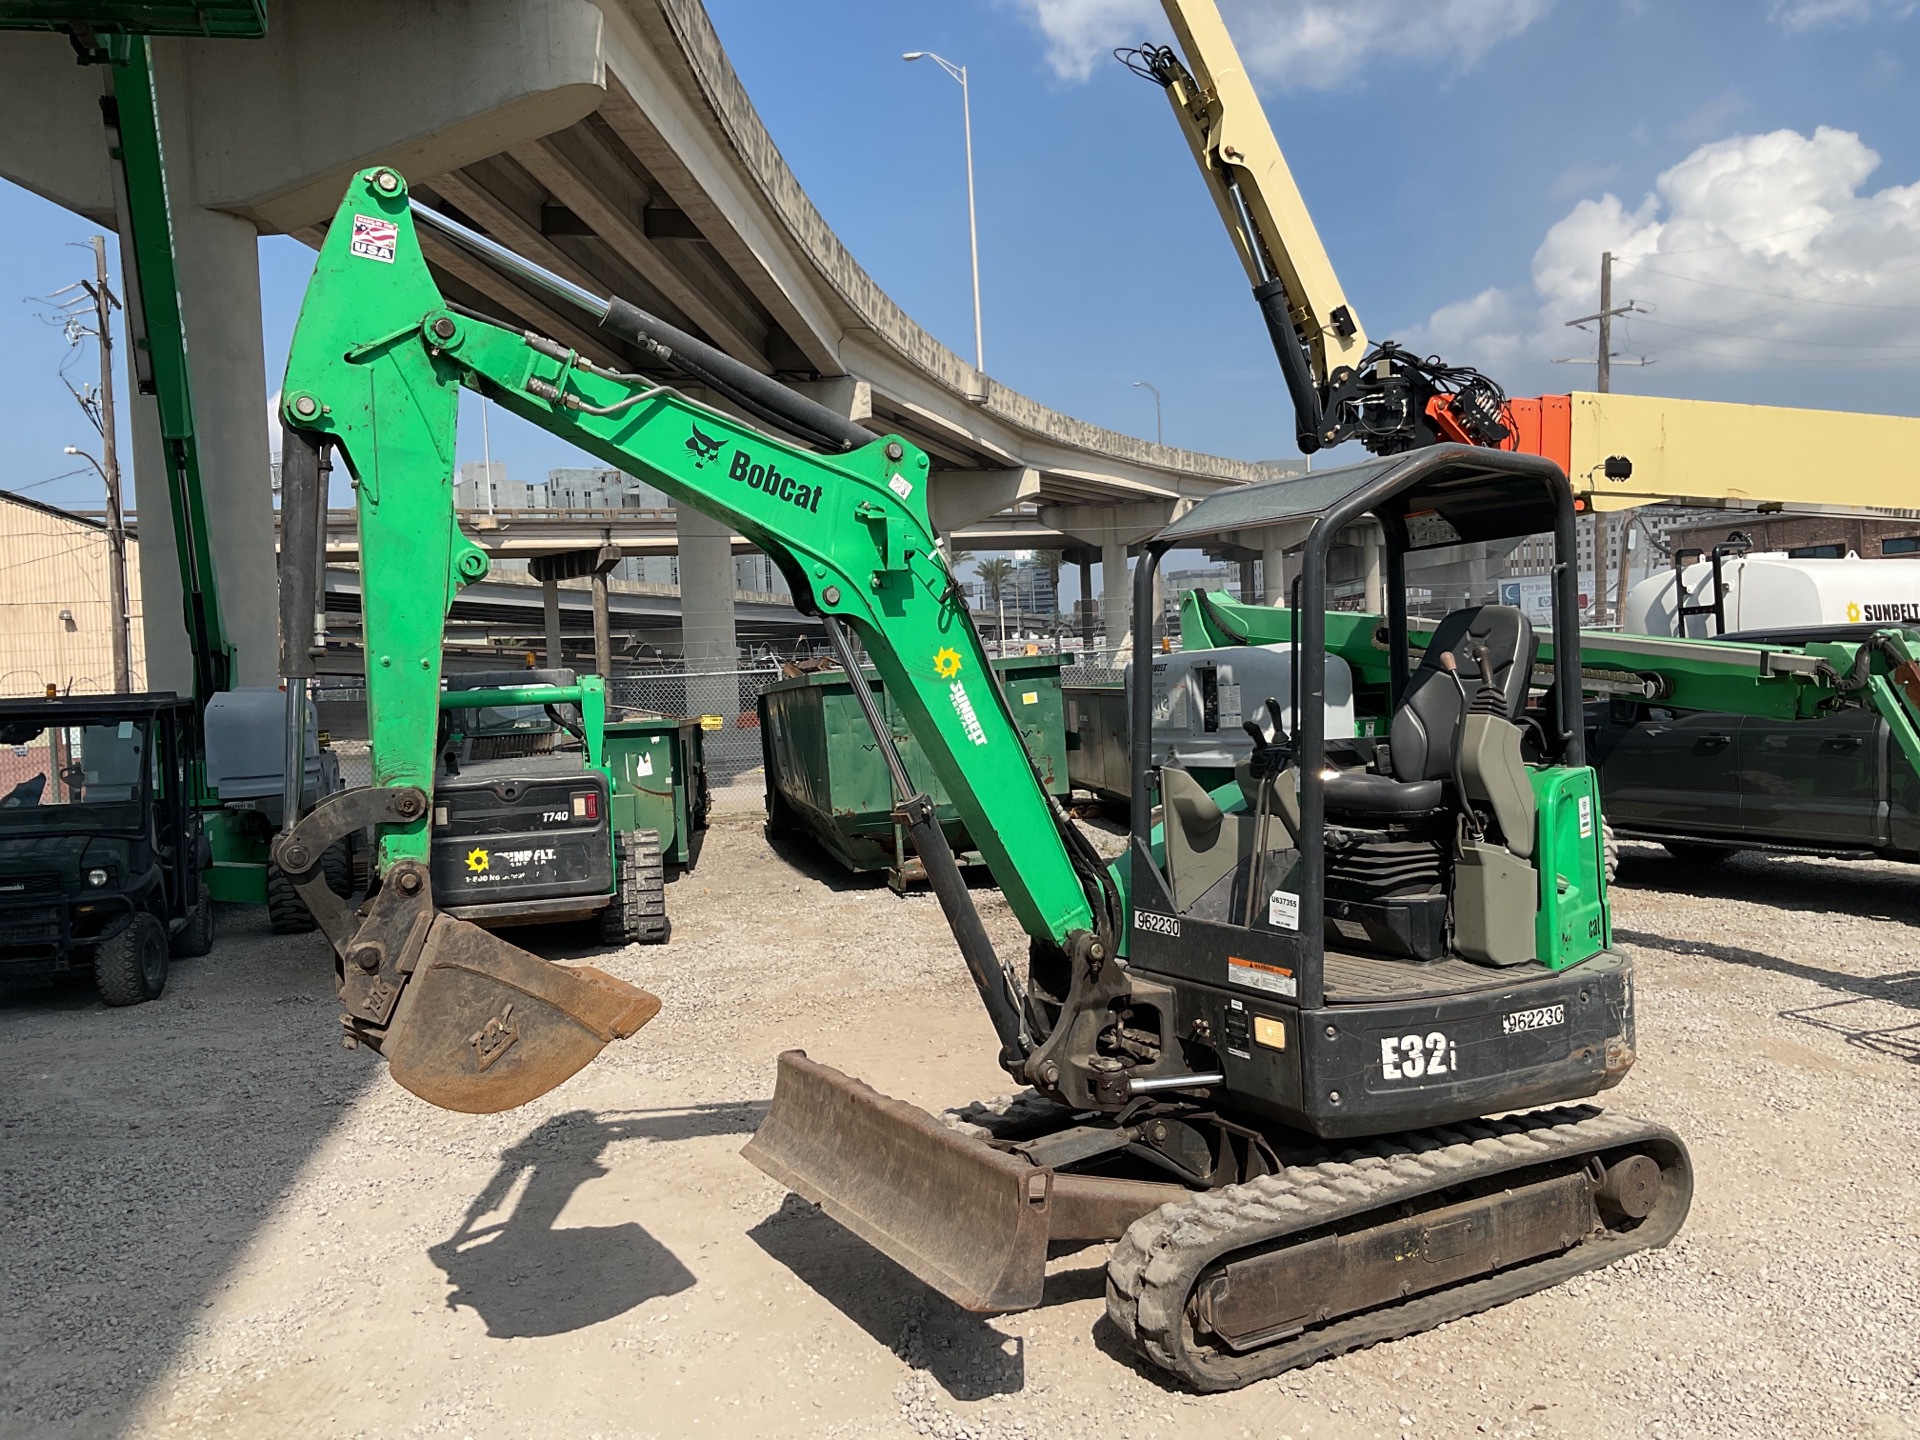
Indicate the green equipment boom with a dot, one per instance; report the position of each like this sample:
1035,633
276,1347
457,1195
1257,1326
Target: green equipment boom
1774,682
1260,1043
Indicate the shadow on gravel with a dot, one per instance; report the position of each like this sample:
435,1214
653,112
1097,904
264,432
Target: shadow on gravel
1781,882
523,1276
1900,990
964,1354
141,1151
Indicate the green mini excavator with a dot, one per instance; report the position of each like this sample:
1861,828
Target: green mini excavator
1258,1048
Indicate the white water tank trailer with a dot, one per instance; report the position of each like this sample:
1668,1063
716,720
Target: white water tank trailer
1772,591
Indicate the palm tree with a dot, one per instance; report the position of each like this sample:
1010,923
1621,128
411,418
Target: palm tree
993,576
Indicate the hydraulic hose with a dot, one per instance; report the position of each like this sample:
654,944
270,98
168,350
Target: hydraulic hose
759,394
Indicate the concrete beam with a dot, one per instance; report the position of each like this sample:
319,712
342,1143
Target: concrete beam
280,124
573,564
565,168
958,498
1108,525
843,395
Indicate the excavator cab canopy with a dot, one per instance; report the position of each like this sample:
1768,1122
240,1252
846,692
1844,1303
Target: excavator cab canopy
1444,495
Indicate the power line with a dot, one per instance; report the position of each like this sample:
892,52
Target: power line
1781,339
1751,240
1770,294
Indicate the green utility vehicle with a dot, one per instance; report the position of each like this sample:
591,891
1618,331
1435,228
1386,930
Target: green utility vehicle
524,826
104,860
1262,1043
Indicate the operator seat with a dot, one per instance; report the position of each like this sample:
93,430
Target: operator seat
1421,739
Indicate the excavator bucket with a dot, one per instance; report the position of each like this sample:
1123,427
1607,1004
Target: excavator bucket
483,1026
969,1220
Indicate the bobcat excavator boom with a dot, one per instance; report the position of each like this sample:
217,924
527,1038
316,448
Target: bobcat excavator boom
1278,1124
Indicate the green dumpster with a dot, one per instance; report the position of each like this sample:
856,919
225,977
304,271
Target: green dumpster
826,777
660,782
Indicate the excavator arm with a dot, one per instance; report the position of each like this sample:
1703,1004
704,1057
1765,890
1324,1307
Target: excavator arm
1385,396
1618,451
376,367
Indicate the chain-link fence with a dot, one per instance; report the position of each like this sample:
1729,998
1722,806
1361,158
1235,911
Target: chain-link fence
1097,667
726,702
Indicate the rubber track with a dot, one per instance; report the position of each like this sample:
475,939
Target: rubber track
1161,1259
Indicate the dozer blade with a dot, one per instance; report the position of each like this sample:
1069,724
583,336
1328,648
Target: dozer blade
969,1220
483,1026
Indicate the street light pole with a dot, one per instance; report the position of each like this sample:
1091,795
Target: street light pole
1158,437
959,72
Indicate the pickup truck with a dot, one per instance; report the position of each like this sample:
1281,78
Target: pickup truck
1707,785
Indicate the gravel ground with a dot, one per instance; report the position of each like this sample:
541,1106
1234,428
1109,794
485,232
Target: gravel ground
219,1224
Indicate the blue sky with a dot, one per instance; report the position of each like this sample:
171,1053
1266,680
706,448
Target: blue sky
1466,160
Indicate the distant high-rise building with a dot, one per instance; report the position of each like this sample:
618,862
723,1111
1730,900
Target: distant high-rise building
602,488
483,485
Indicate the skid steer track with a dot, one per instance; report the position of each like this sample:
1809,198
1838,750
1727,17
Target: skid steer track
1383,1227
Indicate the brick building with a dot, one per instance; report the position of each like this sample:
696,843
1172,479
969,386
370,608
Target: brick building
1808,537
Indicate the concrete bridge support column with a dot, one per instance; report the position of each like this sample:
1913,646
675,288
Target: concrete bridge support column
1086,599
1374,558
218,258
1116,594
1112,528
1273,574
708,634
550,603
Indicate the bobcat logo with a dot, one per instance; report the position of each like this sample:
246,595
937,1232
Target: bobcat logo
704,447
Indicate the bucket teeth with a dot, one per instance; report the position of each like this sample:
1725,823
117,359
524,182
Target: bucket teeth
483,1026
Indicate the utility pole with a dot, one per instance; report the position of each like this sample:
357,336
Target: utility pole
1603,382
103,303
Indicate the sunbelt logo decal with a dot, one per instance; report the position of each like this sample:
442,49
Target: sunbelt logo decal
1888,613
963,707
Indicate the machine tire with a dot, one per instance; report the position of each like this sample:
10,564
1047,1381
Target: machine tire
195,938
1609,850
337,864
638,914
131,968
287,913
1692,854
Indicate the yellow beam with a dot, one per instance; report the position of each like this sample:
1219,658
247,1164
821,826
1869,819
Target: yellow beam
1709,452
1230,136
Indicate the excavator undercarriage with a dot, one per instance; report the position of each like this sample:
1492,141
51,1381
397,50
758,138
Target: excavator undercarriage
1315,1249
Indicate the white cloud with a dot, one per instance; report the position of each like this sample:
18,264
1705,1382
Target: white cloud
1756,250
1794,16
1297,44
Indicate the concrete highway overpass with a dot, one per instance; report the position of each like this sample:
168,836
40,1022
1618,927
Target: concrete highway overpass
612,142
